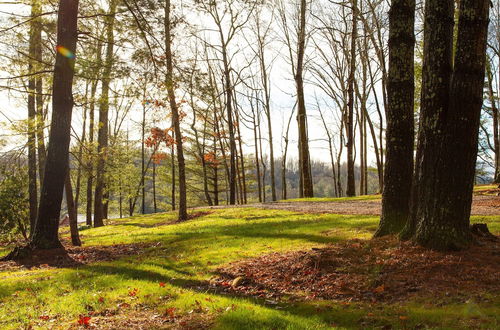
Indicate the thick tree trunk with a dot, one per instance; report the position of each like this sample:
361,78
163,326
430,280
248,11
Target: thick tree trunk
102,135
351,188
436,75
45,235
400,124
175,116
449,141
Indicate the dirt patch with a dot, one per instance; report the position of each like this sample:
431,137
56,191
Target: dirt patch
375,270
139,317
481,205
75,256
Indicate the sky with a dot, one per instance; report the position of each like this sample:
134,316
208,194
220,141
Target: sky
282,102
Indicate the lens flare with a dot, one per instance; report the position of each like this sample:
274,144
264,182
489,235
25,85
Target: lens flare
65,52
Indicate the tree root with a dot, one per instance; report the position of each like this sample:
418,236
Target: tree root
481,230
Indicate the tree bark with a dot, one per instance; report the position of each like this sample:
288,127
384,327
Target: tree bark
32,117
304,158
103,134
400,123
175,115
72,211
45,235
351,188
449,142
90,168
494,115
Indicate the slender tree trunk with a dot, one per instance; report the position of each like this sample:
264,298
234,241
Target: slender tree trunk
45,235
155,208
242,161
215,169
103,134
90,166
257,163
31,127
172,164
80,155
201,148
330,149
494,110
143,155
400,123
36,34
351,188
262,160
301,106
72,211
120,198
175,115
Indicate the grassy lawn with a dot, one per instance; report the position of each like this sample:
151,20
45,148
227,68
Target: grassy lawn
187,255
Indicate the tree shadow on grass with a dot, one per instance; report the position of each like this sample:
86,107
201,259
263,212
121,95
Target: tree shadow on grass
341,316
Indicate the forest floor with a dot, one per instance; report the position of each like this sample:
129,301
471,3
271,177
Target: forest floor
252,268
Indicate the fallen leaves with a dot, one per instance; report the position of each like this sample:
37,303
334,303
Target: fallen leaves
133,292
359,270
84,320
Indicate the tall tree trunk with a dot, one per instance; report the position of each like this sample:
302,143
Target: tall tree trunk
36,34
215,167
80,154
172,165
449,133
262,161
494,114
31,127
143,152
301,106
72,211
45,235
351,188
228,90
103,134
90,166
330,149
175,115
155,207
438,32
256,142
400,123
200,147
267,108
242,160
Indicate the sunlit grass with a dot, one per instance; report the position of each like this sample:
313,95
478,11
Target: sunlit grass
335,199
186,255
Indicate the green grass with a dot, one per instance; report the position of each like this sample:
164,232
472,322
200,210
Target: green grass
335,199
187,256
485,188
